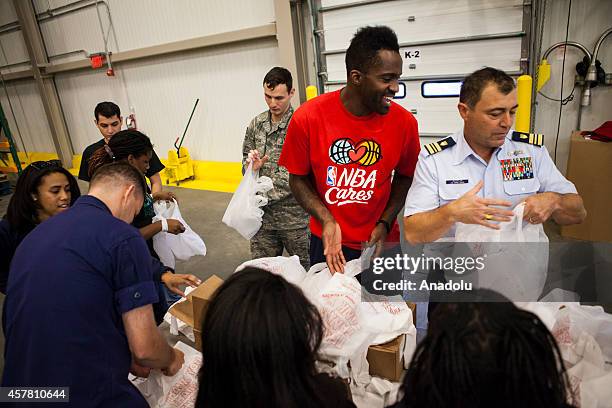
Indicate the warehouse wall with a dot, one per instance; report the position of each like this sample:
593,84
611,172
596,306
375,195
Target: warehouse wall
589,18
227,79
162,90
32,127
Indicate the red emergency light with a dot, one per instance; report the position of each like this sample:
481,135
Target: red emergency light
97,60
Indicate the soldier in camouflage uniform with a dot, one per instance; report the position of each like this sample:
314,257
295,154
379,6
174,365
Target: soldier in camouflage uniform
285,223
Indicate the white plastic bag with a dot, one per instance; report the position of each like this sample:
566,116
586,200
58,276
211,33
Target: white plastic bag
169,246
315,280
287,267
387,316
574,319
178,391
378,393
243,213
584,336
517,271
596,392
318,275
345,331
515,230
177,325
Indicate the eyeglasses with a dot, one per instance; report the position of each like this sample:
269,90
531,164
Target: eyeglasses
41,165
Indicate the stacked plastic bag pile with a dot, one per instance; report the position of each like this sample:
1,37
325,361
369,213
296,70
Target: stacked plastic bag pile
352,323
584,335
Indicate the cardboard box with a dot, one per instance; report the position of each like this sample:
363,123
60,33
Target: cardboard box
412,307
193,310
386,360
198,339
589,167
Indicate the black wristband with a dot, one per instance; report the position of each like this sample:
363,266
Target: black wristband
385,223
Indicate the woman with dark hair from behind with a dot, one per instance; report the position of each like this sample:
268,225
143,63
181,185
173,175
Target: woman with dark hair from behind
136,149
489,354
43,189
260,341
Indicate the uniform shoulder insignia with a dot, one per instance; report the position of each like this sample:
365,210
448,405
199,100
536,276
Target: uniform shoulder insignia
535,139
440,145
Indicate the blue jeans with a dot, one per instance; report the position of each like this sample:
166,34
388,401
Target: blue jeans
316,251
166,299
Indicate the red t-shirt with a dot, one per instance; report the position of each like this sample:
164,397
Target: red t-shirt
350,160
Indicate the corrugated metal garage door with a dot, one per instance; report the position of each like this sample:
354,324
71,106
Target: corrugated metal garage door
443,39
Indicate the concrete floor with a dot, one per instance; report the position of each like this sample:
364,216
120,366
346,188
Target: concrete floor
203,211
226,249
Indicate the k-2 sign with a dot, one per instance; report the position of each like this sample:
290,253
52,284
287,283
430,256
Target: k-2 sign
411,54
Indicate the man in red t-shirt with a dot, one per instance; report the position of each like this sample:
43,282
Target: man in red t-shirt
342,148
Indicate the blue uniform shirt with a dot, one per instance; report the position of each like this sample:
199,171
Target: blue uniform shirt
71,280
9,241
516,171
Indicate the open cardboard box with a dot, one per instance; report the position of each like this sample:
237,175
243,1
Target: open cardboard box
193,310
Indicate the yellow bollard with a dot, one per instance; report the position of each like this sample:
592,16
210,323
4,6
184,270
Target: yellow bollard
523,113
543,74
311,92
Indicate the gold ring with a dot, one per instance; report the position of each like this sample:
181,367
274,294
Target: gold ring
488,216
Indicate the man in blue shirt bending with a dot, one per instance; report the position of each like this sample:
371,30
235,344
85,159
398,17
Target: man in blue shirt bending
78,309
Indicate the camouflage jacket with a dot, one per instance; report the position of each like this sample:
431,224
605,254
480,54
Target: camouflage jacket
282,211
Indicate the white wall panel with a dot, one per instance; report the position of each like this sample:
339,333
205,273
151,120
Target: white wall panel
43,5
13,50
330,3
7,12
23,95
30,115
226,79
435,19
12,46
448,59
145,23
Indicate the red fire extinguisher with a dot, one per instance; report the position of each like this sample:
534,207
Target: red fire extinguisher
130,121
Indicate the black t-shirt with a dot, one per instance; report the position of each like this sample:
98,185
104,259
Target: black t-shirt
145,217
155,165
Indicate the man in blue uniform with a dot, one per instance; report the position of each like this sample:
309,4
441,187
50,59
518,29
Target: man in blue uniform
477,175
78,308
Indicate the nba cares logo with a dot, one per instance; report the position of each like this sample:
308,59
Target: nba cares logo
364,153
